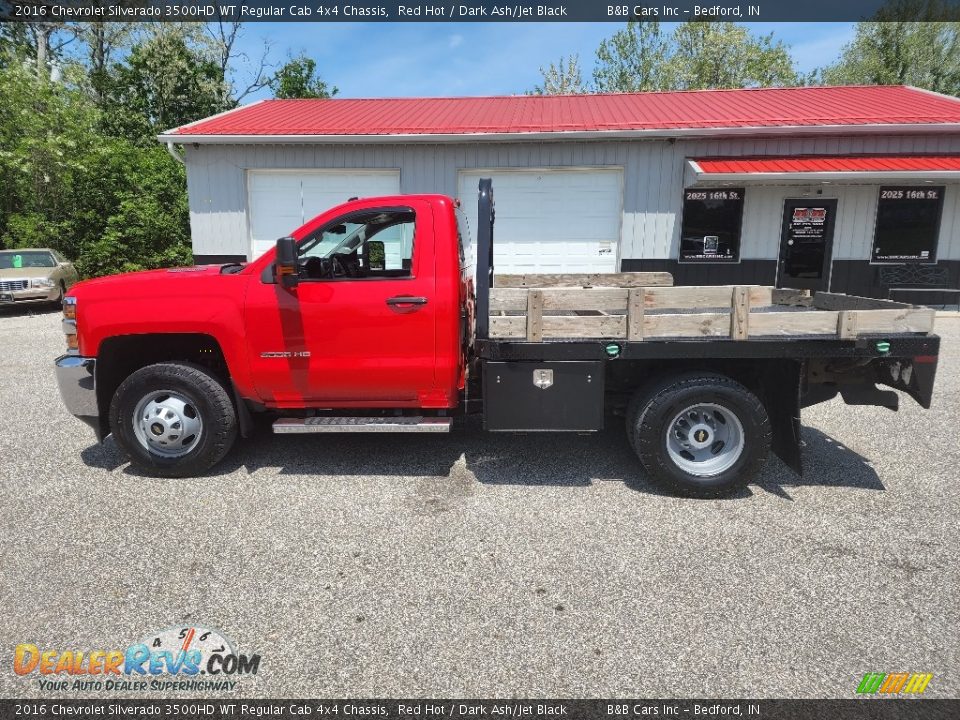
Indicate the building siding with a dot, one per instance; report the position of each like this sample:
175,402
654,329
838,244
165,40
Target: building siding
653,182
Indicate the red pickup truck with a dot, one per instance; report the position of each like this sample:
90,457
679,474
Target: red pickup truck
370,318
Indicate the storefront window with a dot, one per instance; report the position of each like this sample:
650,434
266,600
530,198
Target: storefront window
908,223
710,231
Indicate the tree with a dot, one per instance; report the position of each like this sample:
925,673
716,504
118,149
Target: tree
726,55
906,45
633,59
563,78
222,37
98,44
167,80
297,78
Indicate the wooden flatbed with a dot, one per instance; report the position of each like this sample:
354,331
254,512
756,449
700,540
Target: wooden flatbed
641,306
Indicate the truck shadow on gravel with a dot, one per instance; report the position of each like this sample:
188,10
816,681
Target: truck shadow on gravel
469,455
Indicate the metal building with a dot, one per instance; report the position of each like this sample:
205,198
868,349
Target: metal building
851,189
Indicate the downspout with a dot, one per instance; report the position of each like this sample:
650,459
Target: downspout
178,156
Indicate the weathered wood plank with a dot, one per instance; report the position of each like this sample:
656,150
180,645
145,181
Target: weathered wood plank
687,297
847,324
625,279
907,320
535,316
692,325
787,296
839,301
561,326
635,311
515,299
740,313
597,326
513,326
821,322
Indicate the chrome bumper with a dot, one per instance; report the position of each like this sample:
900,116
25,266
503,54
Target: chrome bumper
75,376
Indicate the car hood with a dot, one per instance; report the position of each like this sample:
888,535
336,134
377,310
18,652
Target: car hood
147,280
27,272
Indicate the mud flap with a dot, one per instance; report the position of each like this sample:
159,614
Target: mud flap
782,394
914,376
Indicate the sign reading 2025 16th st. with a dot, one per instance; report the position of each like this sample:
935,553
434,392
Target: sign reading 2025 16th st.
178,658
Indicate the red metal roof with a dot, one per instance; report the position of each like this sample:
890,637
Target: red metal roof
830,164
663,111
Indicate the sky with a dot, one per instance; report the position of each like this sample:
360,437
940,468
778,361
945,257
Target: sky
444,59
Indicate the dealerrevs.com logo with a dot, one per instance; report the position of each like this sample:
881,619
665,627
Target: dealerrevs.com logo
175,659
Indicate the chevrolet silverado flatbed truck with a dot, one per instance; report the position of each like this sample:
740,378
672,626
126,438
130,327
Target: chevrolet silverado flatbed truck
372,318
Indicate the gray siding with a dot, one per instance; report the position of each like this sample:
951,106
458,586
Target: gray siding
653,182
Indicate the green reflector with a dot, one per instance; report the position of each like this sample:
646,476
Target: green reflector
613,349
883,346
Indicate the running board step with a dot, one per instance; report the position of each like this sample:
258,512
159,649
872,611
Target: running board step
361,424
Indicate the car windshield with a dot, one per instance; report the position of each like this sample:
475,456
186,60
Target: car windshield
13,259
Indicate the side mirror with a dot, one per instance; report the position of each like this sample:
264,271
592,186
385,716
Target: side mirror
376,255
287,272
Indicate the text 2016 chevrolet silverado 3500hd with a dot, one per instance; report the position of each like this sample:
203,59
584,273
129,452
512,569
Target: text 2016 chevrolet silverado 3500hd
371,318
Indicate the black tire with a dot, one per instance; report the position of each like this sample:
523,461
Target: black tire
208,399
59,301
655,407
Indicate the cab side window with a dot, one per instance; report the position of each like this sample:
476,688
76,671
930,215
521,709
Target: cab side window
365,245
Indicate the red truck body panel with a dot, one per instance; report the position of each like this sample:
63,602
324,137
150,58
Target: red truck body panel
332,343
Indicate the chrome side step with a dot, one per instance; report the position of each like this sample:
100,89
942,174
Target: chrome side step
361,424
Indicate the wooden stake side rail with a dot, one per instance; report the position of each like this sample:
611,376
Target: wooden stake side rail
737,313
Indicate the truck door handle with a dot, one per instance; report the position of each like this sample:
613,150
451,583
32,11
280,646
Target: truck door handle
406,300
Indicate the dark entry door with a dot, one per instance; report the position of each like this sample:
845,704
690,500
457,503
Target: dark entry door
806,243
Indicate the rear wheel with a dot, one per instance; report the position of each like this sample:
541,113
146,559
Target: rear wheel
173,420
698,434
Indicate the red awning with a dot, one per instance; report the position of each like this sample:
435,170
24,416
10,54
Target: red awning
829,166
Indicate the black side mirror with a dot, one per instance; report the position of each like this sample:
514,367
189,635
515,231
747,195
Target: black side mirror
287,271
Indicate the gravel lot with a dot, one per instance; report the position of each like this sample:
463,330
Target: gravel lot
489,565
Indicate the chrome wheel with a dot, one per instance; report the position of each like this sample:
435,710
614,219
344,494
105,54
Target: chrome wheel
705,439
167,424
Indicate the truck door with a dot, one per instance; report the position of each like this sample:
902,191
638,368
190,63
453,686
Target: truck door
359,329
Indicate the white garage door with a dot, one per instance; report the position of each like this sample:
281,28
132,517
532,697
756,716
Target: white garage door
280,202
551,221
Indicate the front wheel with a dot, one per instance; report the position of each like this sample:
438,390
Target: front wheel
699,434
173,420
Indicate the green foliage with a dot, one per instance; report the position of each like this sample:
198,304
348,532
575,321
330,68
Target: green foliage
904,47
166,81
696,55
109,203
563,78
633,59
727,55
298,79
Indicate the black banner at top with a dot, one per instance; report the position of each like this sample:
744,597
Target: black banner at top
471,10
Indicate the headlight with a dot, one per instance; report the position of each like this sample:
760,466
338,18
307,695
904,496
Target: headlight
42,283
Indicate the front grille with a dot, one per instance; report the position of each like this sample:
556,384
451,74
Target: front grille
11,285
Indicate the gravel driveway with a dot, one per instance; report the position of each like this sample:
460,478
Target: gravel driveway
477,565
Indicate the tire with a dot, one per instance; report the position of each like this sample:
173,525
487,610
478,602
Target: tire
173,420
59,301
699,434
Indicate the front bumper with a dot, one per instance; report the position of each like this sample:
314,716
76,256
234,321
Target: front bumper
29,295
76,379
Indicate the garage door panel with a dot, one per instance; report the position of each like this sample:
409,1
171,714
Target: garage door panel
280,202
556,221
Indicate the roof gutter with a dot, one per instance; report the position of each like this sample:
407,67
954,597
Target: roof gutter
659,133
